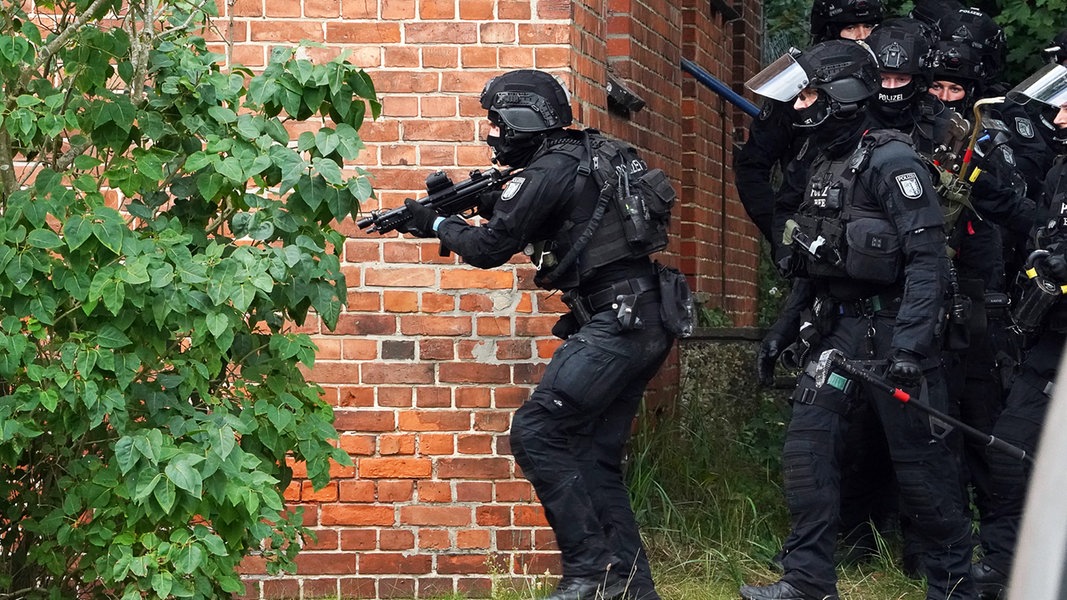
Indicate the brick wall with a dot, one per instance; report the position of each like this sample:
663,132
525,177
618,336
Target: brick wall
430,358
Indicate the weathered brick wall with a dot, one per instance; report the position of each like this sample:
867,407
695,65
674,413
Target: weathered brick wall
430,358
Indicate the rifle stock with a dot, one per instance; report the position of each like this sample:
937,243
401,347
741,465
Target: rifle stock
445,197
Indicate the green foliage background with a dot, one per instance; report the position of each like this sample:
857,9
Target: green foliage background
159,238
1029,26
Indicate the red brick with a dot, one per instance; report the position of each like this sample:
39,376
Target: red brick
361,587
477,57
394,397
474,491
440,33
247,8
359,9
434,420
513,350
395,154
473,468
492,516
436,443
434,539
397,539
322,8
400,302
397,373
395,491
474,444
357,491
450,516
466,372
397,9
435,397
365,324
364,420
513,491
433,302
439,131
476,10
352,397
323,563
326,494
359,539
389,562
280,588
285,31
357,515
358,349
394,468
436,10
473,398
497,33
434,325
493,326
462,564
518,10
399,443
529,516
440,57
403,82
401,57
400,277
434,491
321,587
554,10
347,32
492,421
436,349
473,539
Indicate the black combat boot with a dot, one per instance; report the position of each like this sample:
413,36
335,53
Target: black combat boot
605,587
989,581
781,590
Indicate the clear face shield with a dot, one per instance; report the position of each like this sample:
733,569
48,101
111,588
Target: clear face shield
782,80
1049,86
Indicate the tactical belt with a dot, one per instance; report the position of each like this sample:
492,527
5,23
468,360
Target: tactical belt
865,306
585,306
831,402
835,380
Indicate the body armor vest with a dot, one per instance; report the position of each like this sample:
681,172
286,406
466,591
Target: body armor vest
839,231
620,210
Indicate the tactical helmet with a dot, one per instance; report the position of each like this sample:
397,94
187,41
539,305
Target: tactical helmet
1057,50
978,30
903,46
844,72
828,17
957,62
931,11
527,101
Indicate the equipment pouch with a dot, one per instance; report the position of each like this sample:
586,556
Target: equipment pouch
676,302
874,252
658,193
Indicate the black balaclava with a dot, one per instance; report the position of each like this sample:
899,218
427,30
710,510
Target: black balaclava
513,148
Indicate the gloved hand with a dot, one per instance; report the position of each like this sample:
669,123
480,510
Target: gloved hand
904,370
421,222
1055,266
487,202
769,350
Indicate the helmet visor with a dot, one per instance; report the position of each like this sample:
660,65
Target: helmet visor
1049,85
782,80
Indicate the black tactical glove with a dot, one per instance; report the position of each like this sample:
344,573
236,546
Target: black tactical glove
767,357
421,222
904,370
1056,267
487,202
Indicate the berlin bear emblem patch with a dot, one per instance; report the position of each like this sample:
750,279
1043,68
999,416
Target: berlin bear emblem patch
910,185
1024,127
512,188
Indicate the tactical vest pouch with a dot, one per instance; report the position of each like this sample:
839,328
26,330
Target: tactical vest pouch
874,253
676,302
827,236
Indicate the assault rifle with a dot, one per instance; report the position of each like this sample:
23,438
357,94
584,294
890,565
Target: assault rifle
445,197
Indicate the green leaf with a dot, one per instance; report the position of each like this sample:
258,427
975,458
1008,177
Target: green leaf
110,336
162,582
181,472
329,170
43,238
198,160
188,558
76,230
222,114
146,484
231,168
217,323
165,495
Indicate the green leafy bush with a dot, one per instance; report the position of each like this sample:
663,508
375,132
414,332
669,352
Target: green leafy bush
159,238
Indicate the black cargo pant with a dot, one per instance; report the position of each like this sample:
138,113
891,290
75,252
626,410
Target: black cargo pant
1019,424
925,470
569,439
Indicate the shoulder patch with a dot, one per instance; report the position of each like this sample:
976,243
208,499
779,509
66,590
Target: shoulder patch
513,186
1024,127
910,185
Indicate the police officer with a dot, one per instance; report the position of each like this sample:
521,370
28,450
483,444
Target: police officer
569,435
868,237
772,141
1044,316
